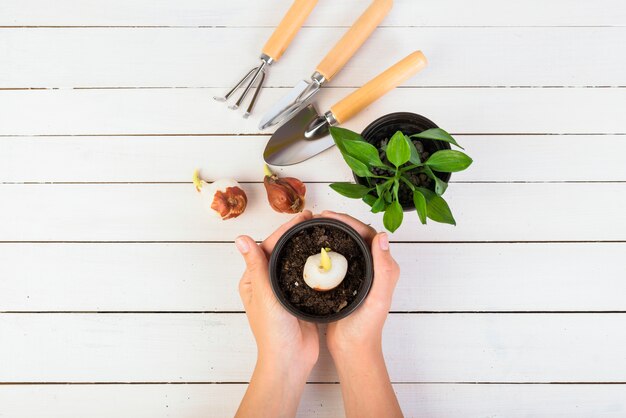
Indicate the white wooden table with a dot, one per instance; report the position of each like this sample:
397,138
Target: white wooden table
118,294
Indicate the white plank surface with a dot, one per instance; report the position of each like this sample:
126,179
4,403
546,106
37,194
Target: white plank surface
319,400
187,57
326,13
175,212
220,348
146,116
194,277
172,159
193,111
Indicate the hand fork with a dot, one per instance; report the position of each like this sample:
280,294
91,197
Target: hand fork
272,51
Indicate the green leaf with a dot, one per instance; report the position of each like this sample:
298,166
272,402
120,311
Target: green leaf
392,219
364,152
379,205
449,161
369,199
437,134
398,151
437,208
439,211
415,155
351,190
387,196
341,135
440,185
420,204
359,168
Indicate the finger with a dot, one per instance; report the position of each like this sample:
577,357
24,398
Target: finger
268,244
256,272
386,270
366,231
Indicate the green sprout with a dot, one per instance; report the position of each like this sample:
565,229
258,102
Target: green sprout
397,163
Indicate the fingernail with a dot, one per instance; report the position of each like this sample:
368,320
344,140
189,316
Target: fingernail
242,245
383,241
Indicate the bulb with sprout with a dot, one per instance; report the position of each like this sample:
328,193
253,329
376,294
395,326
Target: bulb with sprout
325,271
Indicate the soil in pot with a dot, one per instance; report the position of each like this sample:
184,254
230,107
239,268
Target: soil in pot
291,265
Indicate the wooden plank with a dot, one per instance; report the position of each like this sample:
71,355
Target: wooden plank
175,212
204,277
220,348
321,400
193,111
172,159
243,13
186,57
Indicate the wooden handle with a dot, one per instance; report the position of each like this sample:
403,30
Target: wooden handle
354,38
288,27
377,87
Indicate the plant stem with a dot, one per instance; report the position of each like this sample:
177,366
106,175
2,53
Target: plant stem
411,167
408,183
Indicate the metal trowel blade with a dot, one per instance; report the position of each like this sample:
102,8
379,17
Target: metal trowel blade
280,110
294,142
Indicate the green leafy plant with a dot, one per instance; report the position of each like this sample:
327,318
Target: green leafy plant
399,171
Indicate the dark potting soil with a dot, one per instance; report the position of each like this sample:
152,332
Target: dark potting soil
405,195
291,265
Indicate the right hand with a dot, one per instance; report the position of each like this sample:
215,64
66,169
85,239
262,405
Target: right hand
362,330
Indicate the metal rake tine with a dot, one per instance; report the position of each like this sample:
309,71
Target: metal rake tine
259,70
234,89
256,95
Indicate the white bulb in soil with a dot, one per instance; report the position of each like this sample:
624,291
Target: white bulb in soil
324,271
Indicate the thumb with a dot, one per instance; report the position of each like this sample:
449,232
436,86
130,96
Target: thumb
253,255
386,270
256,274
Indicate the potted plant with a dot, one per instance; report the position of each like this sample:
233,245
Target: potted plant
401,162
321,270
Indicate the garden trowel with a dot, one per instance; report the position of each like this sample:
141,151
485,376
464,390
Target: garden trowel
306,134
300,95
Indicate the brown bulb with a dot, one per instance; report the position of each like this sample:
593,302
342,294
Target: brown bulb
285,195
229,203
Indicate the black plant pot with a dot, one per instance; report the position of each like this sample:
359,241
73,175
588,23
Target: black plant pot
409,123
287,260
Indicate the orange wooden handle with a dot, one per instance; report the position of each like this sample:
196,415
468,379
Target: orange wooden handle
354,38
377,87
287,28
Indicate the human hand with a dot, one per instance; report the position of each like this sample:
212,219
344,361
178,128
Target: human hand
362,330
286,343
355,342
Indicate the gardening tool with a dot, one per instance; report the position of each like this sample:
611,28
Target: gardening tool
300,95
272,51
306,134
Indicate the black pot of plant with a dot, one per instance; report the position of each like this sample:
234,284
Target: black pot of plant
303,242
402,161
382,129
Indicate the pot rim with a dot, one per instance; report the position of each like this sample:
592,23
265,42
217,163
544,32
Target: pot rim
361,295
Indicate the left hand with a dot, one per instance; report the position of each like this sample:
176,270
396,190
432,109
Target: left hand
287,343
